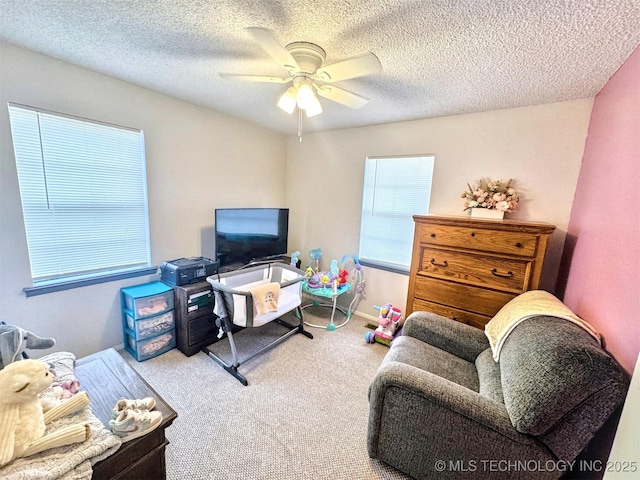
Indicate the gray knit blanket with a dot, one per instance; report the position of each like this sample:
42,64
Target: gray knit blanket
72,462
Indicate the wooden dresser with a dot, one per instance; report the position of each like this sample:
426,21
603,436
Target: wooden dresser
107,377
467,269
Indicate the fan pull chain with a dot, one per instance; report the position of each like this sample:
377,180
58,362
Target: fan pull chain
300,125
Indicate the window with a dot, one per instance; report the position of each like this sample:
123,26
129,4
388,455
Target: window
84,198
395,189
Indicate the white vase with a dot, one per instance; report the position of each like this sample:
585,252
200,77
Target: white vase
487,213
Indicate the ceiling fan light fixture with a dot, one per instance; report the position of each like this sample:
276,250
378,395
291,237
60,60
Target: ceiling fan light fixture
287,101
314,108
305,63
305,97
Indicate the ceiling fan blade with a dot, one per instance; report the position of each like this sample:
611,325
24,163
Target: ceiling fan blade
340,95
269,44
350,68
255,78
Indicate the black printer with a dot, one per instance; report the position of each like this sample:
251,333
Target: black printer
183,271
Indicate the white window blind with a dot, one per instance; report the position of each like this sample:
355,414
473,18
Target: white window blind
84,195
395,189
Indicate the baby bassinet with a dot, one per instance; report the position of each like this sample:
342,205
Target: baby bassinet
237,303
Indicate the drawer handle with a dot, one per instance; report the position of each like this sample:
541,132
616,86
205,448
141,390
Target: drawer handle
519,245
473,234
436,264
509,274
433,235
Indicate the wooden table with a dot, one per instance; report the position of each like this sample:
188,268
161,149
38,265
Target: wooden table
107,377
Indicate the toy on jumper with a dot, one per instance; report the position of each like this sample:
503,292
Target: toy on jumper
389,324
316,255
333,283
295,258
335,278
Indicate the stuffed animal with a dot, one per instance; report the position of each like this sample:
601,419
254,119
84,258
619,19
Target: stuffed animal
22,420
14,341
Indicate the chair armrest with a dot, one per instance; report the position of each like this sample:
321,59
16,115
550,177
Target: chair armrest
438,392
438,419
461,340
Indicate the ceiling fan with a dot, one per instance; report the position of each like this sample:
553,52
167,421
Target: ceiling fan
304,62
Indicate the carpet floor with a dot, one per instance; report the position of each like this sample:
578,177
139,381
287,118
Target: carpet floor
303,415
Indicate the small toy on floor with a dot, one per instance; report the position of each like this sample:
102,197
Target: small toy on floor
389,325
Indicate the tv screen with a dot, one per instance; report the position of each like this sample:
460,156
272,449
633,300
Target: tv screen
244,235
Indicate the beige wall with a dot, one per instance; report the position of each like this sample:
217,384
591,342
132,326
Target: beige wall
197,160
540,146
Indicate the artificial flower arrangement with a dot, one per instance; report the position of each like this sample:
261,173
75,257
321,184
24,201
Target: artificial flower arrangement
491,194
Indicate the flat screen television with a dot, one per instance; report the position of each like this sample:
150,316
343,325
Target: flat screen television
244,235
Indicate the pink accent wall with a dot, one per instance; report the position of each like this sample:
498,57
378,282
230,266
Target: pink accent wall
603,238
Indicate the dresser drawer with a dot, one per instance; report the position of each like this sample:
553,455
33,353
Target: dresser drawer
203,328
460,296
467,269
481,270
194,300
152,465
462,316
503,242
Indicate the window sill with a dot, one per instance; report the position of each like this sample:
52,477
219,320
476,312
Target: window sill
83,282
385,267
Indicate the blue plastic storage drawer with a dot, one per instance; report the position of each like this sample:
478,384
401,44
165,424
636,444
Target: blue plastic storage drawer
150,326
150,347
147,300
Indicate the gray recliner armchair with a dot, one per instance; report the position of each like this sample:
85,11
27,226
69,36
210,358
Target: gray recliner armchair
441,407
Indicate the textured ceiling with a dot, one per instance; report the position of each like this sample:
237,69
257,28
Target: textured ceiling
439,57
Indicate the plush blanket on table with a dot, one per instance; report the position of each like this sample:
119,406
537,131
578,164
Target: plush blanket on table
72,462
534,303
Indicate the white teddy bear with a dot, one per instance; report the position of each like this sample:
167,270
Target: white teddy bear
22,420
